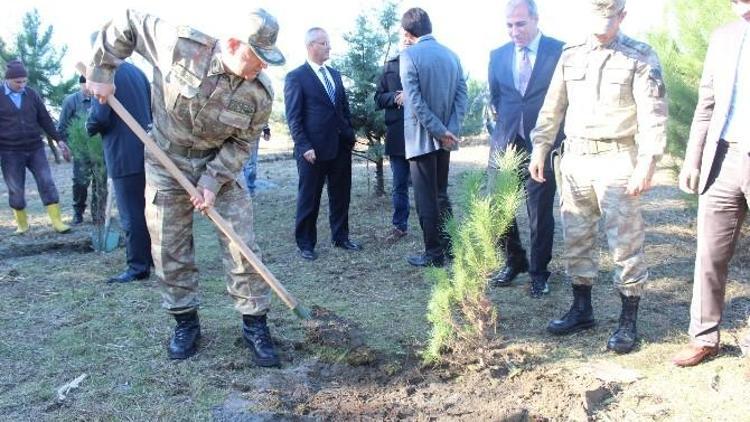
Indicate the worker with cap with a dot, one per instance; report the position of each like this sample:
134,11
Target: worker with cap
211,101
23,118
610,93
74,106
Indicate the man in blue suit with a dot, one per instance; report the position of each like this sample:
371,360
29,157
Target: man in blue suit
317,112
434,107
123,155
519,75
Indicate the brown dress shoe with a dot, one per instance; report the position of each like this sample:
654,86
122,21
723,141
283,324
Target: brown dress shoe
693,355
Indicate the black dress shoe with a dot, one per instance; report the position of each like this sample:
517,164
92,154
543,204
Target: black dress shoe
77,219
538,288
509,273
348,245
425,261
308,254
127,276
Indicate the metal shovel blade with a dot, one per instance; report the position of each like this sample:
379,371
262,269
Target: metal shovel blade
106,238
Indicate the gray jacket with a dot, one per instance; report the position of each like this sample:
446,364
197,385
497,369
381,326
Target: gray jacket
435,95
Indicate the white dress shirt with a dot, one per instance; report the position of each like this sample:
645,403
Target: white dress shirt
316,68
533,49
737,127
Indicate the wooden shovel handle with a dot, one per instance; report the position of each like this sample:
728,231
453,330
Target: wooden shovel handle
222,224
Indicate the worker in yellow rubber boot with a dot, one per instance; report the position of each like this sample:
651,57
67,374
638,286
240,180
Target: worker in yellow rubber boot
23,117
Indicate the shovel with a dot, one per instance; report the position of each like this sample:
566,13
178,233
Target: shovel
106,239
299,310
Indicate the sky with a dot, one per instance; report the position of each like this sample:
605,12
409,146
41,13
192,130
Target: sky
472,28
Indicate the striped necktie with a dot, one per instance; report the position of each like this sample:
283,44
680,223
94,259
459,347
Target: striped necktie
329,87
524,74
524,71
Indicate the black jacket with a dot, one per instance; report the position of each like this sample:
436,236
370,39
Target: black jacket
314,121
123,151
385,98
509,104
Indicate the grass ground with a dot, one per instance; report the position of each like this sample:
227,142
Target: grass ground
59,320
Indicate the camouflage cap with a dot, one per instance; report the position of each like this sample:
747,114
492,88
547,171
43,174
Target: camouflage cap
603,13
607,8
262,39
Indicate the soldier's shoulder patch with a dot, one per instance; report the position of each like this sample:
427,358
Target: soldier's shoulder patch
265,81
656,82
195,35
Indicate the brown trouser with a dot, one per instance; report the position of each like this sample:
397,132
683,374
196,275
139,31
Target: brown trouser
721,211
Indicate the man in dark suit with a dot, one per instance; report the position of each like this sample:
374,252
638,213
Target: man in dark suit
317,112
123,155
716,166
519,75
434,107
389,96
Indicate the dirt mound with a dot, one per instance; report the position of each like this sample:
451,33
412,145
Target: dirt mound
343,339
16,246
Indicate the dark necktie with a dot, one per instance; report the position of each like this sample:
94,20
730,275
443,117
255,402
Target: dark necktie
329,86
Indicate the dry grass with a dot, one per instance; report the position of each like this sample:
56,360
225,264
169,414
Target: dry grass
59,320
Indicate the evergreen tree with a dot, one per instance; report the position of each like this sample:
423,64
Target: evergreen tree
477,93
462,316
373,40
33,46
682,48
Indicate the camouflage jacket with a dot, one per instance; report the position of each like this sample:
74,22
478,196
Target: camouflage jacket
196,103
606,92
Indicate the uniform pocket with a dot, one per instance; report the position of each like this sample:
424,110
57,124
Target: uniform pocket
234,119
180,88
574,73
617,86
575,82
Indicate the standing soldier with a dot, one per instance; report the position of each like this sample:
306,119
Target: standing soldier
75,105
211,101
610,92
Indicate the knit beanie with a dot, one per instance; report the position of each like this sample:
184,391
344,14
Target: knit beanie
15,69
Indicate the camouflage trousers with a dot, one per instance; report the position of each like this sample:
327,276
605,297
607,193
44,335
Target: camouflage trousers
593,186
169,216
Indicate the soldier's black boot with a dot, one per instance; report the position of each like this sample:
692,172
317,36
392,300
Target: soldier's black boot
624,338
258,338
579,317
184,342
80,192
77,218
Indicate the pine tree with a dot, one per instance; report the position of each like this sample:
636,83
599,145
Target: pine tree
33,46
682,48
373,40
477,93
462,316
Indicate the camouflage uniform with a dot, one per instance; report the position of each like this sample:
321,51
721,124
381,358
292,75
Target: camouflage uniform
206,121
75,105
613,100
